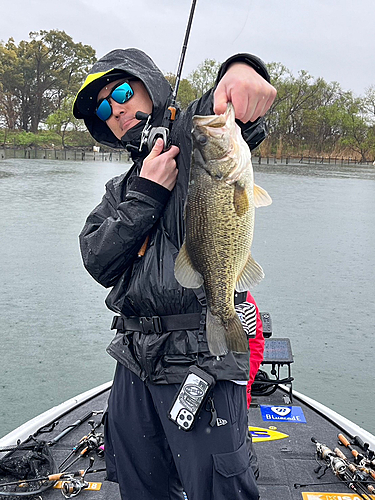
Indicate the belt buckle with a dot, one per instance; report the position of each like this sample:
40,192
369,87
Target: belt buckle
151,325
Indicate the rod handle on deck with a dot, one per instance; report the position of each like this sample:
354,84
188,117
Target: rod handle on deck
343,440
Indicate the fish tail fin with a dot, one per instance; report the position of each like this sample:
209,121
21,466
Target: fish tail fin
216,335
222,338
237,340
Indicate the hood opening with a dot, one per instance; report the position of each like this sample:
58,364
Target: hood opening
121,63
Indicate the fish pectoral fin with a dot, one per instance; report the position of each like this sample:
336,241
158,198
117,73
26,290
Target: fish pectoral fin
251,275
240,200
184,271
261,197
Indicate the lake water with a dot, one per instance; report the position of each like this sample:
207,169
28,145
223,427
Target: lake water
316,243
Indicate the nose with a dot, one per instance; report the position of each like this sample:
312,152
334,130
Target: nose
117,109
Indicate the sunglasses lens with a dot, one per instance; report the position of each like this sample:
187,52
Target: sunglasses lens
122,93
104,110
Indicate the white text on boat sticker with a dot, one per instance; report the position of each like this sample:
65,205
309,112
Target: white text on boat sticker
282,413
260,434
333,496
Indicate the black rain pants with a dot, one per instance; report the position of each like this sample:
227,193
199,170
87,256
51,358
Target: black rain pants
152,459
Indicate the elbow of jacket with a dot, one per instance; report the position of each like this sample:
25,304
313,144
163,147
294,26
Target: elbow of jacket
97,273
96,270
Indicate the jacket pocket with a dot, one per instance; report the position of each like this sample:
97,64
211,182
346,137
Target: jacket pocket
233,477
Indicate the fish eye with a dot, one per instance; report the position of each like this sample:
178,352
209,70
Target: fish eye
202,139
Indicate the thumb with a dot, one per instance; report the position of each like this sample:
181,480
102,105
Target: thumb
157,149
220,101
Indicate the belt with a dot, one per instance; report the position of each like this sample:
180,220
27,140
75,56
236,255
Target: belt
157,324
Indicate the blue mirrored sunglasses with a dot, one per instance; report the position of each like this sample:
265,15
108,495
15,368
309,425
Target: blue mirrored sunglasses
121,94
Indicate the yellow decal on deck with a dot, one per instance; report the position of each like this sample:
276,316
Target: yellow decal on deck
334,496
90,487
261,434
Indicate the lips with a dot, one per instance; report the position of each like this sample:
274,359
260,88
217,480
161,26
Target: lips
128,123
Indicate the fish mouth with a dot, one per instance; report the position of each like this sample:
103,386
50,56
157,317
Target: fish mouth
215,125
215,121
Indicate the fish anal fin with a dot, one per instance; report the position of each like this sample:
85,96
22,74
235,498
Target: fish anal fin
261,197
184,271
240,200
251,275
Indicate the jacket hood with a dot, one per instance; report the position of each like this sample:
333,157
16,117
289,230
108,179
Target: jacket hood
113,66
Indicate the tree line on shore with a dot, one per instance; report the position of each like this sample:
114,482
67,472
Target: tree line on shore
39,79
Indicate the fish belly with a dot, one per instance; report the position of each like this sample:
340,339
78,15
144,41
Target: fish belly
218,242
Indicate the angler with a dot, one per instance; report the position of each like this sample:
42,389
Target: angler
159,323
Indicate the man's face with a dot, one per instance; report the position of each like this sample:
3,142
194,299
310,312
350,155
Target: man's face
123,115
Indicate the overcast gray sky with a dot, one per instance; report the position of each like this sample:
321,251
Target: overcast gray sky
333,39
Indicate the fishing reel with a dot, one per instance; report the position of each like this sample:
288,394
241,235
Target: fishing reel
73,485
151,134
337,465
322,451
95,440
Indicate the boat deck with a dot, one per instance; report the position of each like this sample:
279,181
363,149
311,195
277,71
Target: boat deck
285,459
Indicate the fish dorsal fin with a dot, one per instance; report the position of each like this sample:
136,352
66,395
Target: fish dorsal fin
184,271
240,200
251,275
261,197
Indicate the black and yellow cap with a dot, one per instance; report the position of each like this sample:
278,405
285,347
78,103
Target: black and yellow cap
85,101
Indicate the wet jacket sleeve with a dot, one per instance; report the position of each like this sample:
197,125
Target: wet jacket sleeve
253,132
116,229
249,59
256,349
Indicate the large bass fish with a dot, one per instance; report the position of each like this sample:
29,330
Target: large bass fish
219,217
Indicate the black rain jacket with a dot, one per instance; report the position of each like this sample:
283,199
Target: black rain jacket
133,208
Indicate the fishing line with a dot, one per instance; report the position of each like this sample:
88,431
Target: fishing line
243,26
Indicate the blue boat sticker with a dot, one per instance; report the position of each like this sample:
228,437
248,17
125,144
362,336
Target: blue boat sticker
282,414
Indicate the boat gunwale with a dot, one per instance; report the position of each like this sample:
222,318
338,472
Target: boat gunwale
348,426
49,416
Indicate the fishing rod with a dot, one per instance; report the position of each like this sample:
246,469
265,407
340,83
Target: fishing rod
74,425
151,134
73,486
53,477
365,476
93,441
340,468
359,458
